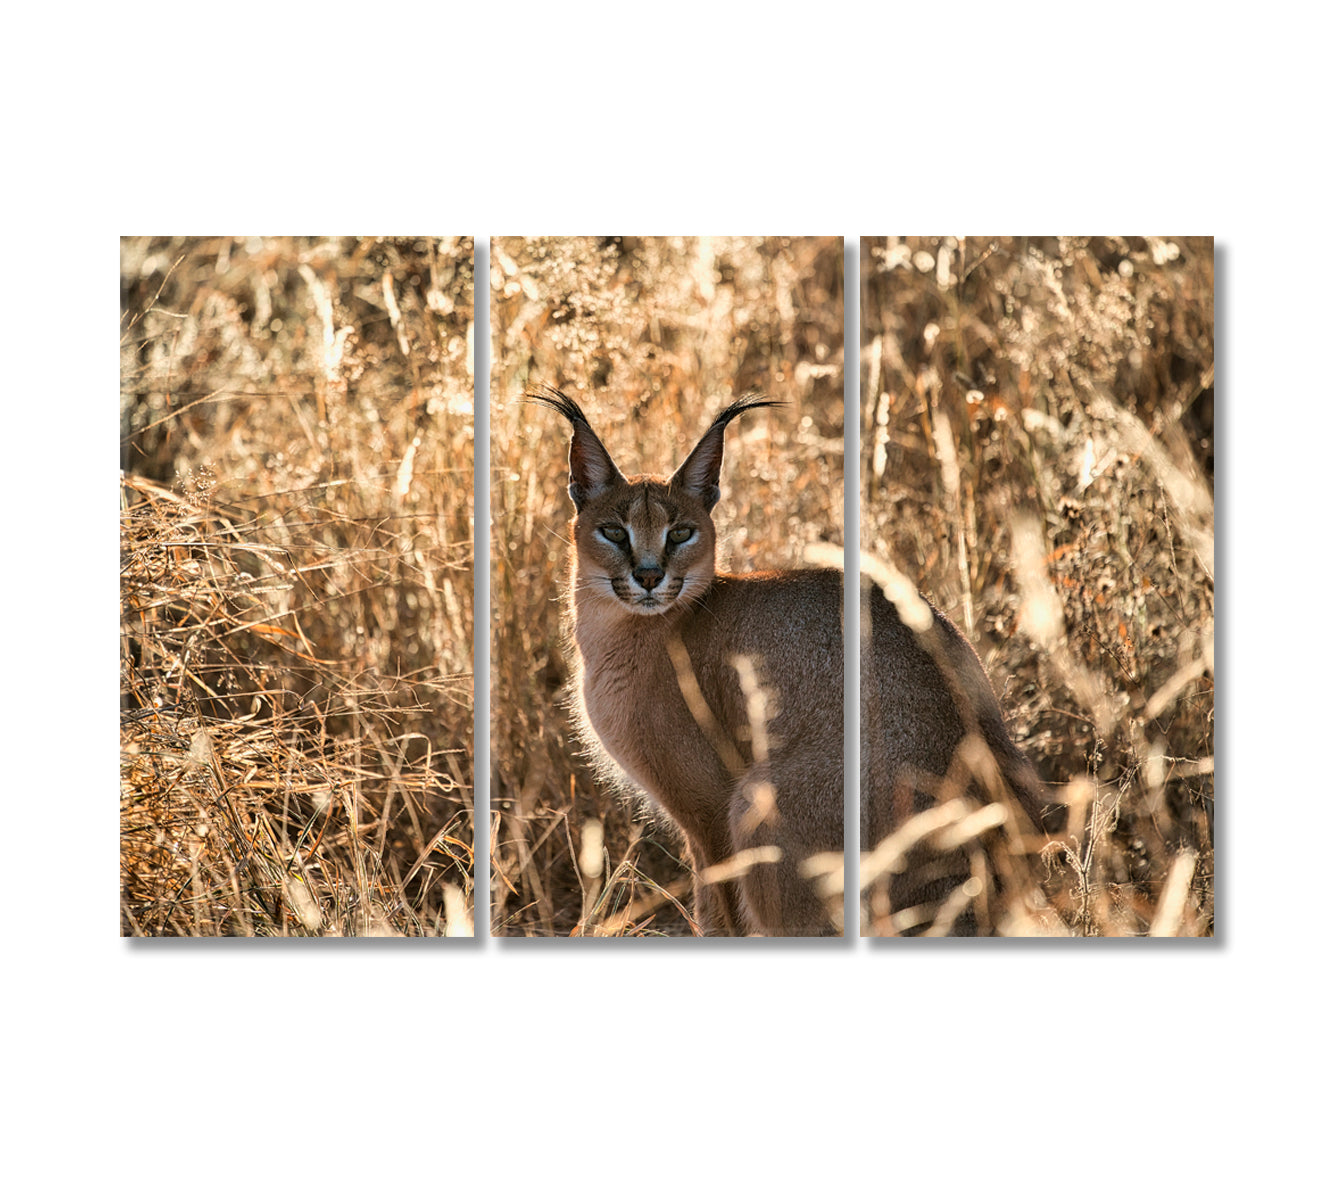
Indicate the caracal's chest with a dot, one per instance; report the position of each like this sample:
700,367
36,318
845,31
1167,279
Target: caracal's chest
631,694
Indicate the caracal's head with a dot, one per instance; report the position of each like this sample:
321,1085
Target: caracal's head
643,543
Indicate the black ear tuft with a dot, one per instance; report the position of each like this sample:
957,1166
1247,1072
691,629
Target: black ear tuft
554,398
699,473
591,467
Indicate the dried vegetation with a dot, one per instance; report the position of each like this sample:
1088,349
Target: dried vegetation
296,587
1037,437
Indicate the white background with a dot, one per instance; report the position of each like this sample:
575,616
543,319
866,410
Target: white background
482,1069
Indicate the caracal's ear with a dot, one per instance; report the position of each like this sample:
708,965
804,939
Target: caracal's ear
698,475
591,469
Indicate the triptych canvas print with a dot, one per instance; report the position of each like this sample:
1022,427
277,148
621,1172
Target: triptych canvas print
602,488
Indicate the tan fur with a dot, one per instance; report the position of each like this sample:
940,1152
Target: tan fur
931,726
720,696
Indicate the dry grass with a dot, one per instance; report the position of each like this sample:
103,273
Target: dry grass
296,557
1037,425
296,586
652,336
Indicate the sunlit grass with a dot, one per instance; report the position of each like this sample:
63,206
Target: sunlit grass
1037,456
296,587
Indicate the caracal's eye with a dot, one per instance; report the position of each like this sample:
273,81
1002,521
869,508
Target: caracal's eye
682,533
613,533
